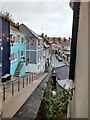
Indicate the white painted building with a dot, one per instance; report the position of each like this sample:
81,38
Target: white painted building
34,51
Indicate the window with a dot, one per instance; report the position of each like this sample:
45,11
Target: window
38,67
0,41
16,40
22,40
13,57
18,53
22,53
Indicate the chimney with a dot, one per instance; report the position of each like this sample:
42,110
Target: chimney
45,36
42,35
17,25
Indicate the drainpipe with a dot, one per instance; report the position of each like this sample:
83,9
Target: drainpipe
74,40
76,7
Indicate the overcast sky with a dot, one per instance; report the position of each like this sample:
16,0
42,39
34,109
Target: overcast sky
52,18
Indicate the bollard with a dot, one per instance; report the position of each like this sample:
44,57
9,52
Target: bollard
3,92
12,87
23,82
18,85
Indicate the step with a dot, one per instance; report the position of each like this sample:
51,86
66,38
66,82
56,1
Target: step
16,73
16,76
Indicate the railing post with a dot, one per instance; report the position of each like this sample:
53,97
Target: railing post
32,77
36,75
3,92
23,82
12,87
18,85
27,80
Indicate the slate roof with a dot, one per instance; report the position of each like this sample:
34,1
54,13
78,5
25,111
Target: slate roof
32,32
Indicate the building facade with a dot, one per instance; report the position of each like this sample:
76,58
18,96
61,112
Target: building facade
4,47
64,50
34,51
79,74
0,48
17,52
47,53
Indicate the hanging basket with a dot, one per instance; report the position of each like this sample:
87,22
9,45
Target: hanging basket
3,35
31,37
12,39
18,36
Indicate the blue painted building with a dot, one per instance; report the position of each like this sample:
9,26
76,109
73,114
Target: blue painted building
0,47
4,47
17,52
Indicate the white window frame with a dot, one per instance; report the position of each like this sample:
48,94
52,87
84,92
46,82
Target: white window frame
23,53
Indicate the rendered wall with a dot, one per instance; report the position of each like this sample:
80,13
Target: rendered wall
79,107
14,49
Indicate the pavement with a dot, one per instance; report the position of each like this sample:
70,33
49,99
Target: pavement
30,108
12,105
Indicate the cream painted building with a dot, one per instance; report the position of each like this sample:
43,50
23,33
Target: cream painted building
79,104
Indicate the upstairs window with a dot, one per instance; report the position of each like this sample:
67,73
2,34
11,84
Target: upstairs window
13,57
22,53
18,53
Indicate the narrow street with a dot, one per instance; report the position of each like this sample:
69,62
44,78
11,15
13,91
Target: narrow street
62,70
